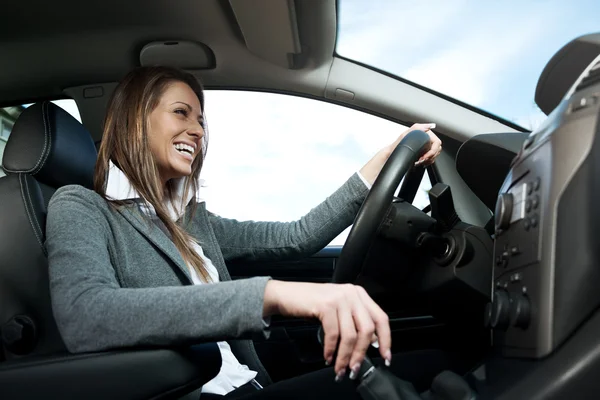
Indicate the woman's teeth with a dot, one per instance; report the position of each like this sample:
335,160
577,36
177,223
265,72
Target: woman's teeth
184,148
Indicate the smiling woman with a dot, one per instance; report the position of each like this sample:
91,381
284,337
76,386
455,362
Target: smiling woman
139,262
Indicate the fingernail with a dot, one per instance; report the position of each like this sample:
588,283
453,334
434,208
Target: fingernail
432,126
375,344
354,371
340,375
388,358
328,362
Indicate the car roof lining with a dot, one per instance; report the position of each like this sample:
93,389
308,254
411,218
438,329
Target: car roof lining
68,45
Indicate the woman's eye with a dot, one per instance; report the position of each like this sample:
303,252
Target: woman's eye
181,111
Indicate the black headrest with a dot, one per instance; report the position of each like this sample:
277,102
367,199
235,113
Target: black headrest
483,162
48,143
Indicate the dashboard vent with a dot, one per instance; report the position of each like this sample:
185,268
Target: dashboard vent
591,79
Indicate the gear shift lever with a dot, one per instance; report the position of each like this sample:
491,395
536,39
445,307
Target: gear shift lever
377,383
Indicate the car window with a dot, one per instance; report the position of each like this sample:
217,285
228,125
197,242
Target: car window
8,116
272,157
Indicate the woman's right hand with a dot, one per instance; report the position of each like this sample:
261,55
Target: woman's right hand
347,314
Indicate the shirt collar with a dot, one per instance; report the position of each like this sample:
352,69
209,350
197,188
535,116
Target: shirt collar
119,187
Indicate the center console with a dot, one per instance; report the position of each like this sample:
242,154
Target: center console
547,220
544,316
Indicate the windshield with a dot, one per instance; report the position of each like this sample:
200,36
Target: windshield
486,54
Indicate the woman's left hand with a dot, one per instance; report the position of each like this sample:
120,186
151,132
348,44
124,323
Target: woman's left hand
374,166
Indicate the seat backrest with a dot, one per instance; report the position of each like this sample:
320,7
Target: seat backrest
46,149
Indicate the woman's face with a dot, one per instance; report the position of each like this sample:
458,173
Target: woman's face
175,131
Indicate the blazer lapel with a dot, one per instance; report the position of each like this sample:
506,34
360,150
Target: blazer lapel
156,236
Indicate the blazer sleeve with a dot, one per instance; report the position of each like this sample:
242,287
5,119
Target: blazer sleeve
253,241
93,312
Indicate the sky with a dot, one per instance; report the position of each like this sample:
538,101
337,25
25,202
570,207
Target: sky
486,53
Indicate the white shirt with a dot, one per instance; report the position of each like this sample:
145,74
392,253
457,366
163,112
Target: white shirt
232,374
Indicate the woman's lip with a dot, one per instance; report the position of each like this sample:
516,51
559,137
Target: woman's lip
187,156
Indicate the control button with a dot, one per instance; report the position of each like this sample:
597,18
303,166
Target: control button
504,208
502,261
515,250
536,201
529,188
520,311
537,183
526,224
516,277
528,205
534,221
499,314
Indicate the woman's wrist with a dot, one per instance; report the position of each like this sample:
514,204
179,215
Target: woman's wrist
271,298
371,169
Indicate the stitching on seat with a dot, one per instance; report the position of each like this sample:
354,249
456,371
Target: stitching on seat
28,214
47,139
34,216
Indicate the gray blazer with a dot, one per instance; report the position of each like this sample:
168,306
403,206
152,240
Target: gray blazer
116,280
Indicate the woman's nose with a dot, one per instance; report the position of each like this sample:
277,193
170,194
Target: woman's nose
196,130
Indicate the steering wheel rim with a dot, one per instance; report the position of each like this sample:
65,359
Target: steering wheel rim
374,208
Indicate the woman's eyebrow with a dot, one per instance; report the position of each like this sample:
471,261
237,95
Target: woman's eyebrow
185,104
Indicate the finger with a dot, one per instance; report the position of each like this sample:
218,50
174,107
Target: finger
418,126
422,126
382,326
432,152
332,334
375,341
431,159
365,329
348,340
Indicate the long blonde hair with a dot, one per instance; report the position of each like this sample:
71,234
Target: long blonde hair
125,143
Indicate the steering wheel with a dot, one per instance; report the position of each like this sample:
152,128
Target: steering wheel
375,206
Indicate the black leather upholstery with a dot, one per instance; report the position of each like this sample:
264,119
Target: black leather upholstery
23,266
148,374
47,149
48,143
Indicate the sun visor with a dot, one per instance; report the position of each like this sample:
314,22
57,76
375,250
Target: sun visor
270,29
484,160
563,69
